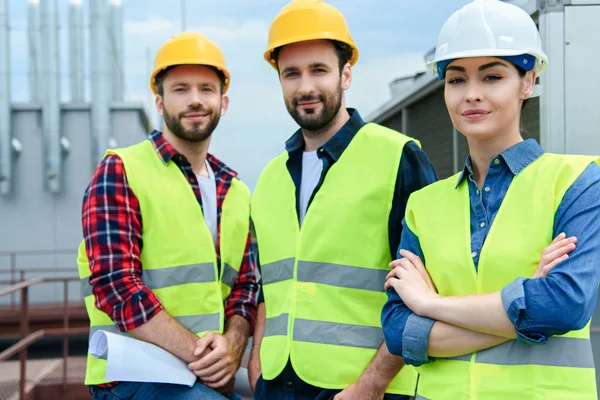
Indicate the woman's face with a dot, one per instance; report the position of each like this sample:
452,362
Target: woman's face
484,96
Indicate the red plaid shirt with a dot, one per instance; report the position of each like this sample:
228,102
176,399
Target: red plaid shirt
112,229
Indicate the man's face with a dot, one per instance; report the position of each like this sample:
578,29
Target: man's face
192,102
312,83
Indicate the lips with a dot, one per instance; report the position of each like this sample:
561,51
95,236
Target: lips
308,103
195,116
475,113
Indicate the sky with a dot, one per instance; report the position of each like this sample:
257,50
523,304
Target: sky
392,36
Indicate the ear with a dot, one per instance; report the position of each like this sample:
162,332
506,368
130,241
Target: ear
528,85
224,104
346,76
159,104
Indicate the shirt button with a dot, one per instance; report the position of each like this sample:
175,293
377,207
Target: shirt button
487,188
474,254
477,191
482,224
496,161
289,384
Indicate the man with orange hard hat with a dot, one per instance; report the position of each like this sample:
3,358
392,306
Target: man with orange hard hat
328,217
166,255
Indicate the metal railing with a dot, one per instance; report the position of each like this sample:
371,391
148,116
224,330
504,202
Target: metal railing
27,338
16,275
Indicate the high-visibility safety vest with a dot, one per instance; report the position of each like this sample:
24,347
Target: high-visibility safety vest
563,368
178,258
323,282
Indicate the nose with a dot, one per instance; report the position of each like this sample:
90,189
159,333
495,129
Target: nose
195,99
306,86
473,93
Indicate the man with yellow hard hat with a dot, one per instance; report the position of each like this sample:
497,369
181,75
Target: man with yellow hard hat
328,217
166,255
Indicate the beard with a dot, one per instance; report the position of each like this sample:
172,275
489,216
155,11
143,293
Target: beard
200,131
311,120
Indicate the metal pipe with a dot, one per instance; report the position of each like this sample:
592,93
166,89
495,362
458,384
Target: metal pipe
51,100
76,64
100,75
116,46
35,46
6,173
24,332
66,328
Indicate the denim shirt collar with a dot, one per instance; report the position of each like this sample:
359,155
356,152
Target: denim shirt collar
335,146
515,158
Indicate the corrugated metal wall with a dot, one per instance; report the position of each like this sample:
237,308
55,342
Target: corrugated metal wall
35,220
530,120
428,121
395,122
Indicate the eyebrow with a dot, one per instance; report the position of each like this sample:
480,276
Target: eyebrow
311,66
319,65
483,67
204,84
289,69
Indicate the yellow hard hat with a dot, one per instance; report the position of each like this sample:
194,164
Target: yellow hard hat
189,48
303,20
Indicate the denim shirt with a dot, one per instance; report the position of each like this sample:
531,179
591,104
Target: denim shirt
538,308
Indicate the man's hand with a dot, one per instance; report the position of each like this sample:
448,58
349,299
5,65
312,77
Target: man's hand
217,364
411,281
359,391
555,253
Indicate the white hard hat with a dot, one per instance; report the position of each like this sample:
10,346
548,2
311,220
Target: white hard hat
490,28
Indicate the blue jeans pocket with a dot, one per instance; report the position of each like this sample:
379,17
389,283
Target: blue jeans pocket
125,390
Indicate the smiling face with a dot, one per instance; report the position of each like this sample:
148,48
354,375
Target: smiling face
192,102
312,83
484,96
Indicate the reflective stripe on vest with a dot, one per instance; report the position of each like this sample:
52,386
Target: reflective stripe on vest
166,277
561,368
368,337
576,353
326,274
323,282
195,323
178,257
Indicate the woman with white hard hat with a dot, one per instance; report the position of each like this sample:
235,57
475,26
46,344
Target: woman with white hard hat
498,269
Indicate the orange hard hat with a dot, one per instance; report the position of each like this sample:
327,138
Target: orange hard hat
189,48
303,20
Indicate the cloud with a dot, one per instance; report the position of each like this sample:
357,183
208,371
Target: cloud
370,86
229,30
150,27
220,29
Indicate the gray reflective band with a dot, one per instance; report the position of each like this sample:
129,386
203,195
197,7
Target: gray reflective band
417,397
466,357
277,326
337,334
342,275
86,288
558,352
165,277
229,275
201,323
195,323
278,271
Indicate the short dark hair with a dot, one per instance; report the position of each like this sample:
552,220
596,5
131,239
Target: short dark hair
342,50
160,78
